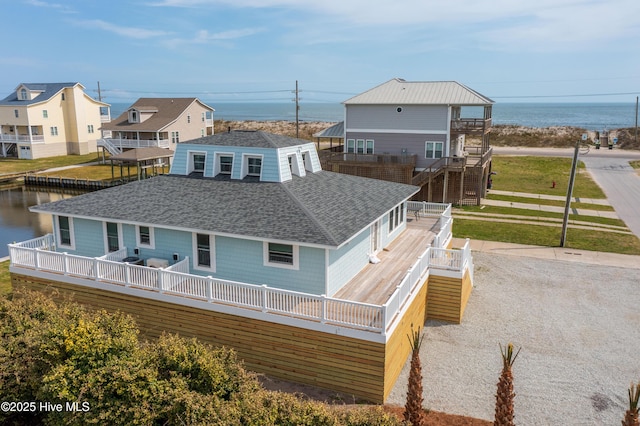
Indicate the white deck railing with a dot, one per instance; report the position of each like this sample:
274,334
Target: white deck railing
429,209
136,143
39,254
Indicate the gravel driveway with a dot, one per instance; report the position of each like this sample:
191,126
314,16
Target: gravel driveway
579,329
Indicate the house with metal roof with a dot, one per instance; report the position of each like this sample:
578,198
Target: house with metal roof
158,122
47,119
312,276
419,124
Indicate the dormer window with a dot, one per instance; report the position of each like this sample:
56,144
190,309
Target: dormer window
134,117
23,94
226,164
197,162
251,166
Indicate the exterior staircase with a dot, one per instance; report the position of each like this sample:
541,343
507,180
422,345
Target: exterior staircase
109,146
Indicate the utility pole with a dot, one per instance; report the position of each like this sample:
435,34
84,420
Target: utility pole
297,100
636,138
567,204
99,93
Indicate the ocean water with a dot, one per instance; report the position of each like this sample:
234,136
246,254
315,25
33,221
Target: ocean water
590,116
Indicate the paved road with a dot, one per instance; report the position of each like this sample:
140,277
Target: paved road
610,169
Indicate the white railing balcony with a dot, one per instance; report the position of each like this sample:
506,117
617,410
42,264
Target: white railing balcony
139,143
22,138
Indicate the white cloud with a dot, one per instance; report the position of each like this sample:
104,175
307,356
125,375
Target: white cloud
220,38
507,24
130,32
39,3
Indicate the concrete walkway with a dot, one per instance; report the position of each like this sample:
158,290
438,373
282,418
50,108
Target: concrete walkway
553,253
547,208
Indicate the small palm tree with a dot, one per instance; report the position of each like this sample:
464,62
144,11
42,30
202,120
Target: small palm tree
631,416
505,394
413,412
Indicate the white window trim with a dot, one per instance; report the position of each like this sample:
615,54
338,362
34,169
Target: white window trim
295,165
366,146
245,164
72,236
212,252
217,167
434,151
190,164
106,239
308,164
296,257
152,239
399,217
351,144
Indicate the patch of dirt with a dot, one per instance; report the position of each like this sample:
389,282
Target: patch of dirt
432,418
435,418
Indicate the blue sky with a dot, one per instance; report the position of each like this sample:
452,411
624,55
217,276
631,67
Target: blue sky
248,50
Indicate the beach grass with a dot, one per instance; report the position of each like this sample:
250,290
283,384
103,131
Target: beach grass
14,165
536,175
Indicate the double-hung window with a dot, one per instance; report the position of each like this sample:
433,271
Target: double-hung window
65,232
54,131
351,146
226,164
281,255
145,236
433,149
254,166
175,137
203,252
45,113
113,239
197,162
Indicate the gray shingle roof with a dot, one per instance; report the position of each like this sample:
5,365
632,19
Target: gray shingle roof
248,138
335,131
322,208
48,90
399,91
168,111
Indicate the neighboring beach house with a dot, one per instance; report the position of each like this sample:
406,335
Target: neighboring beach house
158,122
48,119
415,132
310,275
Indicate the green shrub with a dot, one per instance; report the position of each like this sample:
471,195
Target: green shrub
67,354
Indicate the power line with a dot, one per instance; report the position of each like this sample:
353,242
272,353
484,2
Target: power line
565,96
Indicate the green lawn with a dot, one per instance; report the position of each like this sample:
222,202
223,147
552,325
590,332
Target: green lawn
557,203
13,165
536,174
5,278
497,210
546,236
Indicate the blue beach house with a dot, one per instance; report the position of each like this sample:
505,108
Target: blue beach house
310,275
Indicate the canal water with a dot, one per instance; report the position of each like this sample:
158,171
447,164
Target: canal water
17,223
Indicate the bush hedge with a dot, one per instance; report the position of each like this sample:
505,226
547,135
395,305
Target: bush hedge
93,363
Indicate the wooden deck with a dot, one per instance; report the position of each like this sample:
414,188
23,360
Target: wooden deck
377,282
